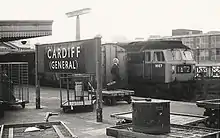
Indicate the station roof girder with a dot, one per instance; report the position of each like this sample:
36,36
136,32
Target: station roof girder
11,30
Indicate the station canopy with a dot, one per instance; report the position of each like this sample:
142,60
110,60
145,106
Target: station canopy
11,30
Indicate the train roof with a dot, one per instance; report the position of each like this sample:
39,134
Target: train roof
155,44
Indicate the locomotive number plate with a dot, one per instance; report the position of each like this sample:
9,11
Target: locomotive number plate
158,65
183,69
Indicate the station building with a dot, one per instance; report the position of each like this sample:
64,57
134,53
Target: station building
206,46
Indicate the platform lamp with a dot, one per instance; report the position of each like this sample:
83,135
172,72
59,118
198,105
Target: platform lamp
77,13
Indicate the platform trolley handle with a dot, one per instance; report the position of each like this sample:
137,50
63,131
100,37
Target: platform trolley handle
49,114
90,85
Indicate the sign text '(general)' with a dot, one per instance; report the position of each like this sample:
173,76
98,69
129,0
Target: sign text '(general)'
64,58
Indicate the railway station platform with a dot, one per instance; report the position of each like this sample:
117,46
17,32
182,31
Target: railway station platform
83,125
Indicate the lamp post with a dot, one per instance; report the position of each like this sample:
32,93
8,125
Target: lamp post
77,13
37,82
99,117
197,48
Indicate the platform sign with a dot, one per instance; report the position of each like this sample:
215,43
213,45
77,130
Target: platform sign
67,57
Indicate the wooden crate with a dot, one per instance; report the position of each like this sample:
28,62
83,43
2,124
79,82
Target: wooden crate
55,130
175,118
177,131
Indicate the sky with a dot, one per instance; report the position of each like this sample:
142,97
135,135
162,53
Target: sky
117,19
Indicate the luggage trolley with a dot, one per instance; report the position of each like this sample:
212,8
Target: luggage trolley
212,110
74,93
14,83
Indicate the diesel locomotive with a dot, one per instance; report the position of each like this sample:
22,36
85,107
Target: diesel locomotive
160,68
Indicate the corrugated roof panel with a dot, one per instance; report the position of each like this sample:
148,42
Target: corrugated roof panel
15,30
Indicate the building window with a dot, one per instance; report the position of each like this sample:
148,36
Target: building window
217,51
197,40
213,39
217,38
205,39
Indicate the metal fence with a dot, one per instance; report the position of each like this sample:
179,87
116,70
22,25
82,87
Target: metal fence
15,82
208,71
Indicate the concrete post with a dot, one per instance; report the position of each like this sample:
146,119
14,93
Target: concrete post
77,28
99,80
37,83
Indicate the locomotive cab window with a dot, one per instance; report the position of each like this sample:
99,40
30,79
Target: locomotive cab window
147,56
159,56
187,55
173,55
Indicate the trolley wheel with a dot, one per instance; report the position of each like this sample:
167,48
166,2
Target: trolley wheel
93,97
109,101
106,101
128,100
91,108
65,110
201,124
23,105
113,101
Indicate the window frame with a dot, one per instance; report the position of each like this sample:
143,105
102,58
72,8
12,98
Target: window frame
145,53
157,51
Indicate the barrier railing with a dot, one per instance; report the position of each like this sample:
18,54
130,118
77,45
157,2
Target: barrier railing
212,72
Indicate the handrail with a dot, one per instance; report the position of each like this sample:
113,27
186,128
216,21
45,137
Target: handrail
90,85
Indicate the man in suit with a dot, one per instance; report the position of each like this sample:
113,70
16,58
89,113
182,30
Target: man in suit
115,70
115,76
